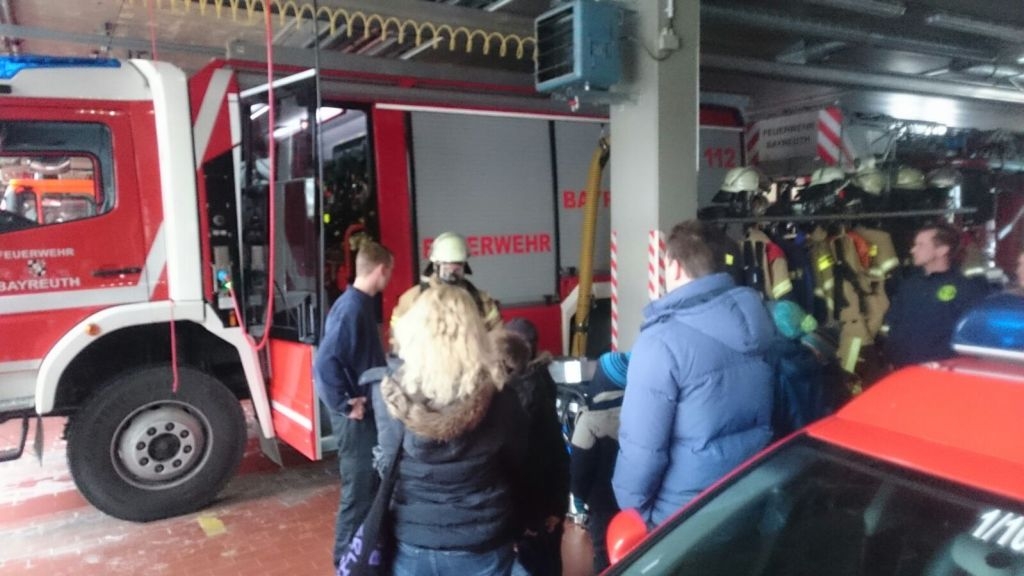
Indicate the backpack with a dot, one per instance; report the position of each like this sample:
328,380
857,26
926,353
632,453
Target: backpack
575,399
803,391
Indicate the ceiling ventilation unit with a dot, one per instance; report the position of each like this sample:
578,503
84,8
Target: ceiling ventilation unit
578,46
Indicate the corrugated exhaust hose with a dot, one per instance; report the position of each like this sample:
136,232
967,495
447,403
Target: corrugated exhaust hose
593,202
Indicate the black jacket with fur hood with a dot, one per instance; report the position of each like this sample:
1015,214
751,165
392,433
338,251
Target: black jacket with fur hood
459,484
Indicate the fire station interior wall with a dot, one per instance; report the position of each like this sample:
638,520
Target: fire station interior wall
574,147
491,179
721,150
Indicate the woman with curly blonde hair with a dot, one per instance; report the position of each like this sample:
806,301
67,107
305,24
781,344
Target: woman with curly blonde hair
462,447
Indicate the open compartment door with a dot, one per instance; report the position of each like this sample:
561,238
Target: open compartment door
296,249
294,407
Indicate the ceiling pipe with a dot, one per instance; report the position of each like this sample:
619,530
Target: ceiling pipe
818,28
879,8
850,78
498,5
802,53
967,25
417,50
995,71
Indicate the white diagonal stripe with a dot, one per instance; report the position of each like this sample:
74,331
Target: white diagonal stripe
825,118
292,415
208,110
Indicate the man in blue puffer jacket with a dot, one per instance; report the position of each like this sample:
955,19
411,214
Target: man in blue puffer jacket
699,395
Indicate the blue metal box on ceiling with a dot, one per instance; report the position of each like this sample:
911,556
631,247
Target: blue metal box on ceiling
578,46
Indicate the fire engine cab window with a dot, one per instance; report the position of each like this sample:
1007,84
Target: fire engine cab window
53,173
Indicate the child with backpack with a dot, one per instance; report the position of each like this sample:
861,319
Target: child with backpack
595,446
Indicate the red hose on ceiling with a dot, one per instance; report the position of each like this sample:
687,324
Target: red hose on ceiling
272,176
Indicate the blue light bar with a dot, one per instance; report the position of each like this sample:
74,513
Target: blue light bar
11,65
994,328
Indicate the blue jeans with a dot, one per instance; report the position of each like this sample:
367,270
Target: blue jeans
415,561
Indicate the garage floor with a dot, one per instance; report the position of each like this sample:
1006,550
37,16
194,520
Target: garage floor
268,521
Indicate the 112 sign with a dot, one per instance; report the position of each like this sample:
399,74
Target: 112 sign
720,157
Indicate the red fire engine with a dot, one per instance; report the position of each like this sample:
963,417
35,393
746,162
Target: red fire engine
145,319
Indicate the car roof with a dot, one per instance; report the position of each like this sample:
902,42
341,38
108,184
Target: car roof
962,420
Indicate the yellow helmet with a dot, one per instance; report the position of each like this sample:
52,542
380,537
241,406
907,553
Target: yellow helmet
449,247
909,178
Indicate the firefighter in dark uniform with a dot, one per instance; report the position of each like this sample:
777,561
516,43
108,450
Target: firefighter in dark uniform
449,264
926,306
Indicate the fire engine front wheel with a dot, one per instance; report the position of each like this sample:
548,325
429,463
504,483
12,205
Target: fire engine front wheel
140,452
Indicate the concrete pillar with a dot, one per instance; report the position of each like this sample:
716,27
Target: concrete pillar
654,147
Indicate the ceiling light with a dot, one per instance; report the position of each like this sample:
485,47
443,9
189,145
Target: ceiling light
258,109
872,7
979,27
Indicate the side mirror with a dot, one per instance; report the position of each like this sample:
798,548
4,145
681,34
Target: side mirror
625,531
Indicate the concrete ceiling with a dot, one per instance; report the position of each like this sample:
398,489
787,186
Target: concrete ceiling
903,38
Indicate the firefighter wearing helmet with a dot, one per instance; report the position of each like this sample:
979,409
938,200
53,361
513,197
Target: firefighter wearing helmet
449,264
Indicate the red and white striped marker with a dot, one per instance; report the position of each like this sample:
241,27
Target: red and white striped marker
615,290
830,129
655,264
751,138
834,146
662,276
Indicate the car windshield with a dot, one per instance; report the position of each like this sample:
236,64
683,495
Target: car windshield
812,509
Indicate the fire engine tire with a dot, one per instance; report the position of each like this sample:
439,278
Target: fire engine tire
138,451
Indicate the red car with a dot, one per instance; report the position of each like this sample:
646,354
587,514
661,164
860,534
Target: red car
921,475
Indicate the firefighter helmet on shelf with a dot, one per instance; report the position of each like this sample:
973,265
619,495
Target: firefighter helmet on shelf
739,187
827,175
449,247
822,192
745,179
865,163
872,181
944,177
909,178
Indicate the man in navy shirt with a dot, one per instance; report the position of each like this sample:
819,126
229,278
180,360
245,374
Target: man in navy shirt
926,306
351,345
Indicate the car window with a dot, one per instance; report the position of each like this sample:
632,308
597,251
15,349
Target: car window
810,509
54,172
